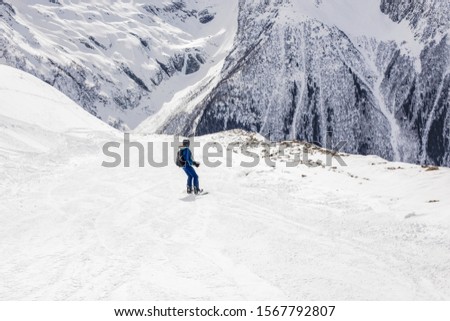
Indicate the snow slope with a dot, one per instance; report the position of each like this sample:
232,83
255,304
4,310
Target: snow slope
74,230
33,113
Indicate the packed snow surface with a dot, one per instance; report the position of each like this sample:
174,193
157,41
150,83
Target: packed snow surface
74,230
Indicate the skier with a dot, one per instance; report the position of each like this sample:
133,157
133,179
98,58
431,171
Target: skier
184,159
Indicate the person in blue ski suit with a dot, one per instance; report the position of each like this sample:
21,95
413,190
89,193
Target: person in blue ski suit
188,169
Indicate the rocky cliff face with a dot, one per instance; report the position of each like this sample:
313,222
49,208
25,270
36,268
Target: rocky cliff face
293,74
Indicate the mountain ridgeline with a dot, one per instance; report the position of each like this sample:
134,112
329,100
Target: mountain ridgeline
374,74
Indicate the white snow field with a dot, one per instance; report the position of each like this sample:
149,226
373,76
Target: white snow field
73,230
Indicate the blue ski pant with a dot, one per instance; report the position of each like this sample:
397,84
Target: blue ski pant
192,176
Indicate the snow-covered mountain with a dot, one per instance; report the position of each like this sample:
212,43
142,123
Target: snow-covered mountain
74,230
372,73
120,60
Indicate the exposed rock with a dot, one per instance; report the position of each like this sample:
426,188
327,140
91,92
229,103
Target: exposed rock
192,65
205,16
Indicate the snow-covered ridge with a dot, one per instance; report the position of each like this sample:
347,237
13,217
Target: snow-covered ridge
34,116
30,100
354,17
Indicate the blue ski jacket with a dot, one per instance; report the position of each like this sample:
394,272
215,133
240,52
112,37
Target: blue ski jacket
187,156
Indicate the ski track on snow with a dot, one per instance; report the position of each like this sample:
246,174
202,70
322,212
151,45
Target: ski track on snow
74,230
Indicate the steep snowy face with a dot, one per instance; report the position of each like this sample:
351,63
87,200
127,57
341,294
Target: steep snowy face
36,117
341,71
120,60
